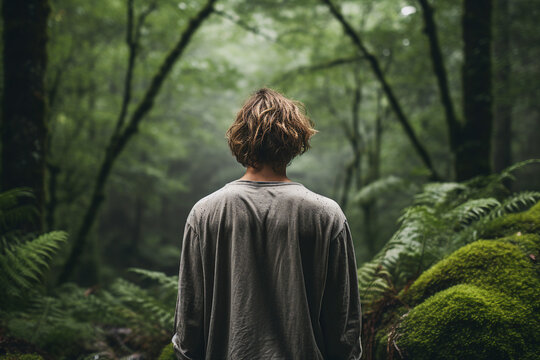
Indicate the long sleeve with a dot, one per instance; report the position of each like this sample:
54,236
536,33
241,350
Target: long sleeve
341,314
188,337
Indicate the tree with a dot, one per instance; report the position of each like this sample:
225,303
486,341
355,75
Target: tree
473,156
126,126
23,127
386,87
470,140
502,121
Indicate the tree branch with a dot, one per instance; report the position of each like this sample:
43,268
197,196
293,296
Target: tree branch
244,25
394,103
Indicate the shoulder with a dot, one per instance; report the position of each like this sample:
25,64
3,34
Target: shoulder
320,203
324,208
207,203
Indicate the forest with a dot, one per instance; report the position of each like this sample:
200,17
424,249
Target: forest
112,126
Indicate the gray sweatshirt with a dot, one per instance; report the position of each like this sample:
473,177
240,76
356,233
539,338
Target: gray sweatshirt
267,271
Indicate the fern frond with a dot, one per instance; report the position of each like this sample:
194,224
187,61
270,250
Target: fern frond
517,202
16,206
168,282
507,172
378,187
434,194
472,210
24,263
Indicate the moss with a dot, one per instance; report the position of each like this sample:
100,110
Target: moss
500,265
468,322
526,222
20,357
167,353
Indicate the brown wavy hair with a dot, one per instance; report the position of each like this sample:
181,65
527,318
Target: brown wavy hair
269,129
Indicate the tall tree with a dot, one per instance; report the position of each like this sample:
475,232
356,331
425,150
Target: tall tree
23,128
127,126
502,121
473,157
470,139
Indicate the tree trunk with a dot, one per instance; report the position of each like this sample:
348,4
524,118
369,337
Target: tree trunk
23,128
473,153
502,134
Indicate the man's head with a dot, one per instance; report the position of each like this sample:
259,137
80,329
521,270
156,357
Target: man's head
269,129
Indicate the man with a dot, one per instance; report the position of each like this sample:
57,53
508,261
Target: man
267,269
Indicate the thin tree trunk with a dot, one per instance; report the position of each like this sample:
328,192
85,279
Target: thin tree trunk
379,75
121,136
502,134
23,128
473,154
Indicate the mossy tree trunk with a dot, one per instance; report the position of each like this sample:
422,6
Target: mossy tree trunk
473,153
23,127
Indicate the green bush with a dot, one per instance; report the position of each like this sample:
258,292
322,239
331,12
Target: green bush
468,322
167,353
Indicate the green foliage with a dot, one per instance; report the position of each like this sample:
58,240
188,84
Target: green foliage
523,222
23,258
167,353
442,218
21,357
115,320
15,208
23,263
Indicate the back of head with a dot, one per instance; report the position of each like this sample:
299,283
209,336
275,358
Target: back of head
269,129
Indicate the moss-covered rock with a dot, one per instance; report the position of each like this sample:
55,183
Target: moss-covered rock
468,322
482,301
526,222
501,265
167,353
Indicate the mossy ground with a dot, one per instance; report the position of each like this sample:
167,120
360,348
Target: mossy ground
167,353
482,301
20,357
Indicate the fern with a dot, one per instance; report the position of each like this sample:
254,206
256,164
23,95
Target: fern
442,218
379,187
22,264
16,207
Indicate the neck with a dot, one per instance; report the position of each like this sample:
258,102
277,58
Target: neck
265,172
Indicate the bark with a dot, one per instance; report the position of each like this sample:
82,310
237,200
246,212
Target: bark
387,89
502,136
52,202
473,154
439,70
23,128
122,135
